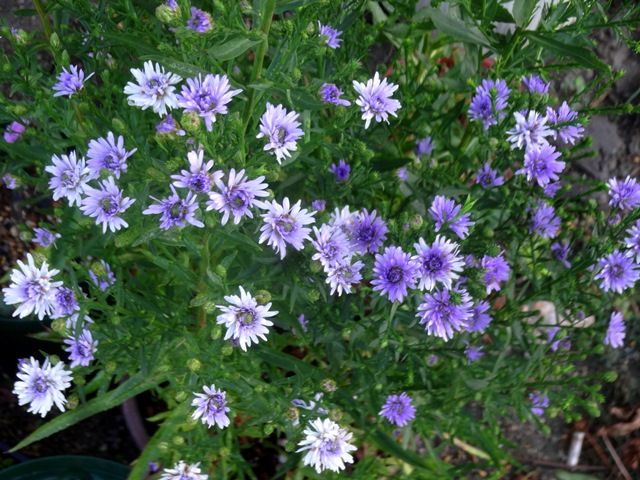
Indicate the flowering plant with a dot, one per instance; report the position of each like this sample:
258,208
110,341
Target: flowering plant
292,242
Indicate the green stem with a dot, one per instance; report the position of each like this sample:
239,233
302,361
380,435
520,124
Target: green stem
44,19
267,15
202,286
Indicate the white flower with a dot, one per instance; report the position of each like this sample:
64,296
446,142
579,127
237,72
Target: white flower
69,177
285,224
183,471
154,89
41,386
375,99
245,319
529,131
32,288
327,446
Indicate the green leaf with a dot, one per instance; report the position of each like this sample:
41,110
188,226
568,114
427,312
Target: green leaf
387,444
137,384
384,164
455,27
582,55
564,475
232,48
176,66
522,11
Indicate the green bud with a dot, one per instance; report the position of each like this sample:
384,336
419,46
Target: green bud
163,446
216,332
328,385
378,387
226,350
416,221
54,41
313,295
22,37
598,349
263,297
79,380
219,6
178,440
290,446
6,66
220,270
268,429
64,58
59,325
167,15
610,376
592,409
224,452
335,414
315,267
191,122
181,396
488,232
346,333
116,320
296,74
110,367
164,368
194,364
260,388
209,307
72,402
293,414
118,125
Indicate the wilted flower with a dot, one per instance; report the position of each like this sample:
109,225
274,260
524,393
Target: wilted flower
246,321
438,262
32,288
473,354
341,171
545,223
529,131
343,275
534,84
444,312
488,177
367,232
398,409
169,125
211,407
331,94
331,35
617,272
102,276
197,178
9,181
208,97
559,119
154,89
81,349
200,21
184,471
319,205
375,99
561,252
13,132
43,237
42,386
327,446
106,204
69,177
285,224
237,196
281,129
175,211
541,165
480,319
394,273
539,403
497,270
615,331
489,102
447,212
624,194
70,81
108,154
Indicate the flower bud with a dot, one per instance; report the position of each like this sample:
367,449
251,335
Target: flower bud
21,36
54,41
194,364
293,414
110,367
263,297
224,452
221,270
226,350
72,402
64,58
191,122
166,15
59,325
315,267
313,295
118,125
268,429
178,440
328,385
181,396
216,332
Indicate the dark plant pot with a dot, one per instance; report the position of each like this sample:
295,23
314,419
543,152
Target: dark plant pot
66,467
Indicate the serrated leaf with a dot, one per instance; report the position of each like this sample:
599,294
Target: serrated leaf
581,55
232,48
137,384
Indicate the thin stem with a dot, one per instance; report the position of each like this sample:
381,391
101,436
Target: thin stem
267,16
44,19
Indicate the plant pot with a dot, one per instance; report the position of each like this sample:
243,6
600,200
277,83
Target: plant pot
66,467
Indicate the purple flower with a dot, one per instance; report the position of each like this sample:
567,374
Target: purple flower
154,88
480,319
367,232
43,237
281,129
237,196
65,303
13,132
169,125
246,321
107,154
175,211
447,212
285,224
473,354
444,312
541,165
424,147
211,407
402,174
561,252
617,272
539,402
69,177
534,84
106,204
319,205
330,35
550,189
624,194
70,81
395,273
559,119
487,177
343,275
32,288
9,181
432,360
208,97
102,276
545,223
564,342
341,171
327,446
489,102
304,323
438,262
331,245
633,241
182,470
375,99
81,349
497,270
331,94
200,21
398,410
42,386
616,331
197,178
529,131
